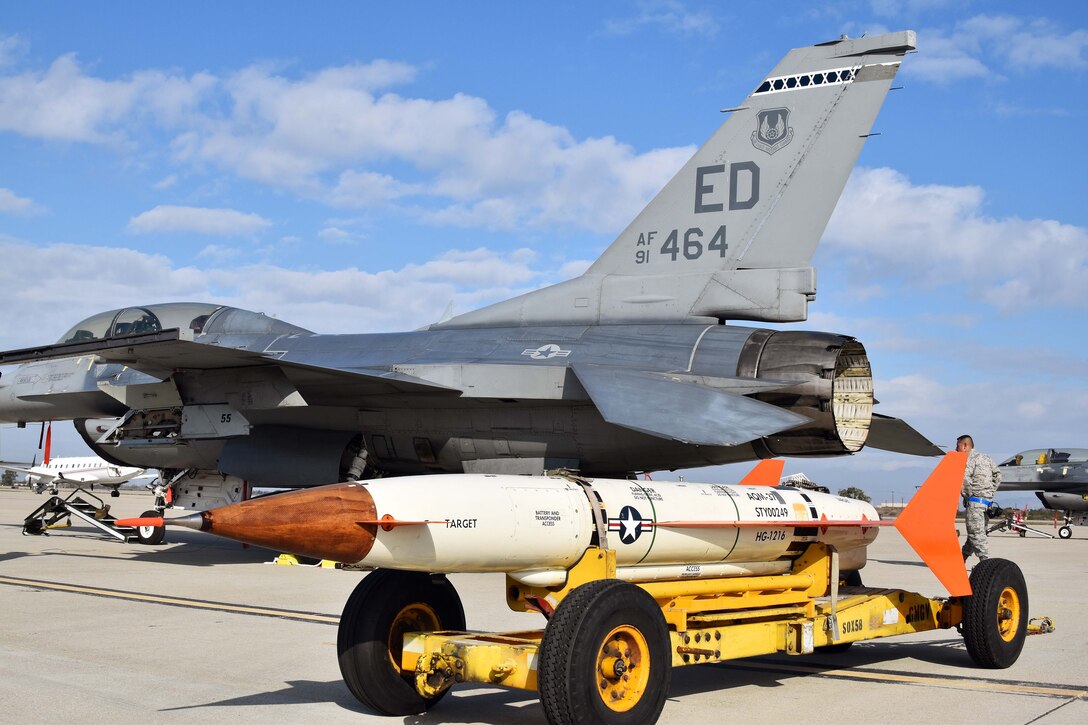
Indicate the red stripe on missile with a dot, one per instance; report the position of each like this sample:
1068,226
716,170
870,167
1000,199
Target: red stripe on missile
767,472
388,523
142,521
770,524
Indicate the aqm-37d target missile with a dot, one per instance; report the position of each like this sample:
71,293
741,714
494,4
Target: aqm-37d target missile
535,527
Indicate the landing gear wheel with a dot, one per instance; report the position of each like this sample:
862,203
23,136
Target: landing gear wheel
385,606
150,535
995,616
605,657
115,493
1065,532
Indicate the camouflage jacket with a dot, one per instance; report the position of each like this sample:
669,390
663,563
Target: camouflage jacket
981,477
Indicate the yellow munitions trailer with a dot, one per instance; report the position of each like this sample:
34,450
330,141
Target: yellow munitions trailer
609,646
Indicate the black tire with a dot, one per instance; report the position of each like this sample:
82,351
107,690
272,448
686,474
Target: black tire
150,535
1065,532
595,622
995,616
384,606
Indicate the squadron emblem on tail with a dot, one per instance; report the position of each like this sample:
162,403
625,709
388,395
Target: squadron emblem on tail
772,130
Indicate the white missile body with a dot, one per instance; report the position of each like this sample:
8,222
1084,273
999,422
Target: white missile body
534,528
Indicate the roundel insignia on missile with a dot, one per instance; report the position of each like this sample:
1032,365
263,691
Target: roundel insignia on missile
630,524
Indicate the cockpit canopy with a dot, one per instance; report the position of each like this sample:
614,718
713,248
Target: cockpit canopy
1041,456
196,317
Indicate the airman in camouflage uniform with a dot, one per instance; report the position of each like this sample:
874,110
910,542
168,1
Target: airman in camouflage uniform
980,480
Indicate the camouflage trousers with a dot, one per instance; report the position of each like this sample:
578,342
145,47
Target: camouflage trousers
975,518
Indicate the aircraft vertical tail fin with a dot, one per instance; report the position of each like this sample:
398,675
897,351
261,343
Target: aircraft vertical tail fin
731,236
928,523
48,443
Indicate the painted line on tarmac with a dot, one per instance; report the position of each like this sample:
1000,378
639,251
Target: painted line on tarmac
955,683
172,601
958,683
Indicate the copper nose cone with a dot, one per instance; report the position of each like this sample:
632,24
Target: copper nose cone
318,522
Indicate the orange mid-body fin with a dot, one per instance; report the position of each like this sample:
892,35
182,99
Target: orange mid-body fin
767,472
928,523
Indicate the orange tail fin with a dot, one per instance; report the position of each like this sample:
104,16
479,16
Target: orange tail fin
929,524
48,443
767,472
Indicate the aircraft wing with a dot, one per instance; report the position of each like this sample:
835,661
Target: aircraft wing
15,469
894,434
161,353
680,409
44,477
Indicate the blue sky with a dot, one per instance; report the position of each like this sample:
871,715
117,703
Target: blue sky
358,167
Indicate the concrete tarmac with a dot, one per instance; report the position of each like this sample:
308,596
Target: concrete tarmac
203,630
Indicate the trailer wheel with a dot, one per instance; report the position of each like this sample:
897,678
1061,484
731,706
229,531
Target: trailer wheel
384,606
1065,532
150,535
995,616
604,657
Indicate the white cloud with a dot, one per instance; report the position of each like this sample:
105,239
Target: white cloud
360,189
12,47
574,268
669,15
907,7
219,253
338,136
945,61
165,183
121,277
329,301
939,235
476,170
225,222
64,103
978,46
1003,417
1027,45
11,203
334,234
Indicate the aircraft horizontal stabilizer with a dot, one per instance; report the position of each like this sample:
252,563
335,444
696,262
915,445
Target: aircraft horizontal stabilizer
672,408
896,435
